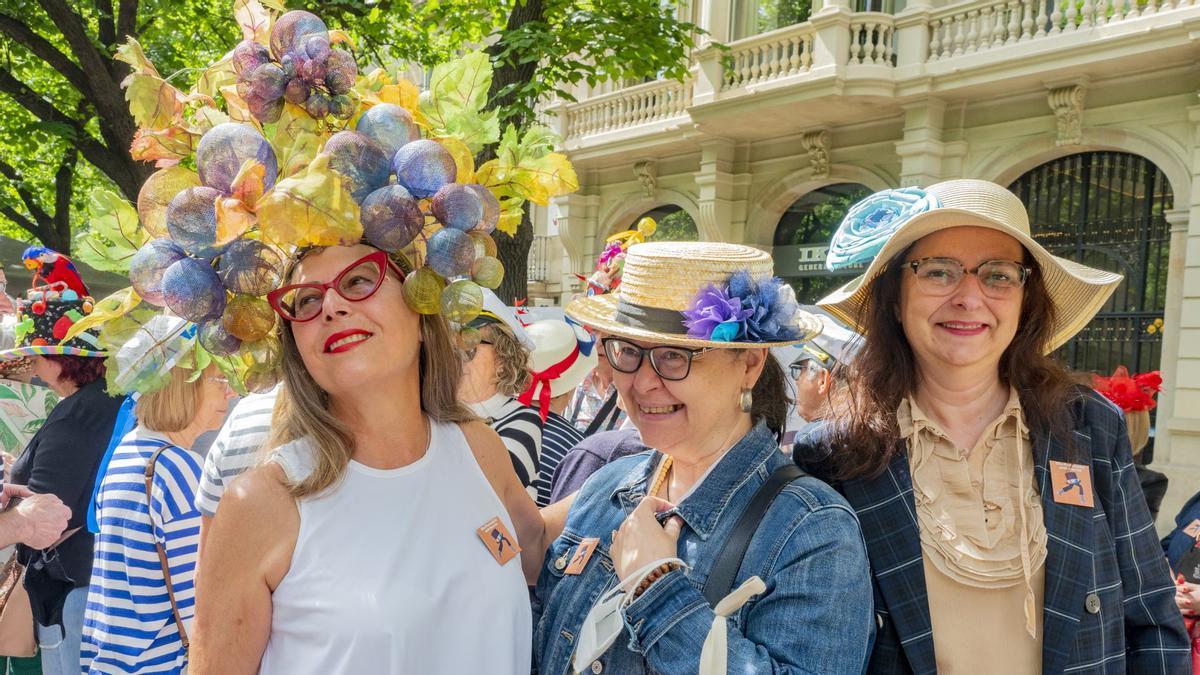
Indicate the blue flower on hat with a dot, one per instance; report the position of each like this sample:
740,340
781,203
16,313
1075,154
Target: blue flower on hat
871,222
715,315
744,310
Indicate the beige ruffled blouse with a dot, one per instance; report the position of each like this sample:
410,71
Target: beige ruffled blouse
983,539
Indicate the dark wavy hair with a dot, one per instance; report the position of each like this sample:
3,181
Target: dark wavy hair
884,372
771,401
78,370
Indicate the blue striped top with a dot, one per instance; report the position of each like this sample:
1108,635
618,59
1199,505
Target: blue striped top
128,626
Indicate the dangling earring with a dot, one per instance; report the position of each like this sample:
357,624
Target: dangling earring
746,400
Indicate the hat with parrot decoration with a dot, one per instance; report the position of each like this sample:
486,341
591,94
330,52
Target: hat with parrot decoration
55,304
285,144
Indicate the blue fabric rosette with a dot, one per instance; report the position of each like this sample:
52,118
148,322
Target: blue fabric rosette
871,222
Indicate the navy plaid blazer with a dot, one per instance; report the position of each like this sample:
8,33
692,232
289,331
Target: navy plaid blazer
1109,597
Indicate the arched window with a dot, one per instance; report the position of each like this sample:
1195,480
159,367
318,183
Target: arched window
674,224
1107,210
802,239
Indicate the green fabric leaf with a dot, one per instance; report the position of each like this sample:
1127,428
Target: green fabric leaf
113,235
453,103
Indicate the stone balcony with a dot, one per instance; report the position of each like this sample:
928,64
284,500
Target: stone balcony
842,68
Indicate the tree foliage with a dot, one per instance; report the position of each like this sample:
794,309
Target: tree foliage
67,129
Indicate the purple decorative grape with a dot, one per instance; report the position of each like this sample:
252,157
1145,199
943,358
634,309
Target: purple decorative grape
193,291
363,166
491,209
317,104
263,89
424,166
317,47
297,91
313,71
389,125
147,266
450,253
342,107
250,267
249,55
340,72
192,220
224,149
391,218
457,206
288,63
216,340
292,29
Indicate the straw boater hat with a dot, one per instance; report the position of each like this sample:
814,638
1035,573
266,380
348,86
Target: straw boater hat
698,294
898,218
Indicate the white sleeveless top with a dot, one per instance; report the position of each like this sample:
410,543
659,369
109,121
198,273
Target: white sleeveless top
389,575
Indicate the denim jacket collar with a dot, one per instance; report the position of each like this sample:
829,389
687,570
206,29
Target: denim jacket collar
703,508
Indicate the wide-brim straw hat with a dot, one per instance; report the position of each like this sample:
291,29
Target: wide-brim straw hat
1077,291
662,279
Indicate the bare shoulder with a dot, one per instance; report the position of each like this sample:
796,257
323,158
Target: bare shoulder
261,489
488,449
256,507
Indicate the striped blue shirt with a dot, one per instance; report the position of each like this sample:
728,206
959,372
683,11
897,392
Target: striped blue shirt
128,626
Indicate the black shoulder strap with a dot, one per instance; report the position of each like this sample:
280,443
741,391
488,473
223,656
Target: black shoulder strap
601,415
720,580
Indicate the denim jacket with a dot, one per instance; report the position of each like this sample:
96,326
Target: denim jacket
816,614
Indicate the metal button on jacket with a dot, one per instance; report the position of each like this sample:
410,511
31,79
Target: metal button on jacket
1092,603
560,563
597,667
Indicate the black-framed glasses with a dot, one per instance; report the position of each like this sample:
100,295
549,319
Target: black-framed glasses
799,368
671,363
357,282
999,279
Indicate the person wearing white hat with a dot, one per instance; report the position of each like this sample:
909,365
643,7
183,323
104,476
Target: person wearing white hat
494,373
820,366
998,499
562,357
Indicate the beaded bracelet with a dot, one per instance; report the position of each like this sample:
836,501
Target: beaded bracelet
653,576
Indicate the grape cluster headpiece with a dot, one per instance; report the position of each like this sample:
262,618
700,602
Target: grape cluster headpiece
283,144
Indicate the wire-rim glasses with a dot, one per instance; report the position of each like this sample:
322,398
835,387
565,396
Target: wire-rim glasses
357,282
670,363
999,279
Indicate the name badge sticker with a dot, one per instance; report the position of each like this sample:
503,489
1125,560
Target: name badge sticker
582,555
1072,484
498,540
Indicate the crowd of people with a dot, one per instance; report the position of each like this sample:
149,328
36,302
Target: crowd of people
686,473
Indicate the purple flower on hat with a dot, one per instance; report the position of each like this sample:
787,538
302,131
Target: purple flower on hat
744,310
611,251
871,222
715,315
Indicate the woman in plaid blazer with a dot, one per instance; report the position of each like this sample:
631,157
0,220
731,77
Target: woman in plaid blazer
1004,522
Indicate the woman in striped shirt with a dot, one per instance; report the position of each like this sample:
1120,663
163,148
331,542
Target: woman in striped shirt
130,625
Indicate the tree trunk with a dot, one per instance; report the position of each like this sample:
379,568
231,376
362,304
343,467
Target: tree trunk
513,251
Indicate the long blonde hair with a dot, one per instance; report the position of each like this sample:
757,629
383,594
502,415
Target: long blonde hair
302,410
173,407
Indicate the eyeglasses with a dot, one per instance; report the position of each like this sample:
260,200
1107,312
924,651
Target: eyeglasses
671,363
801,367
303,302
999,279
218,380
468,355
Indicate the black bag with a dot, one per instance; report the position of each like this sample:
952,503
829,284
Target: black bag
48,583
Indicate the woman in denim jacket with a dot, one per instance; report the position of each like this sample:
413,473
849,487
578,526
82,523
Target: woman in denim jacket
621,588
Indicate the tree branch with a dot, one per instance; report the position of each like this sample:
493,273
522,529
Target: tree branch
115,165
42,224
107,26
127,19
21,221
22,34
64,182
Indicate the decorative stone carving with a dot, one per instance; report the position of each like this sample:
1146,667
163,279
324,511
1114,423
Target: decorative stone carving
816,143
647,174
1067,104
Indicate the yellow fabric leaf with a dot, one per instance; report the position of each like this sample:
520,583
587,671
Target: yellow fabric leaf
310,208
206,117
297,139
233,220
378,87
248,186
165,147
235,105
510,220
549,176
339,36
131,53
116,305
254,20
218,75
276,5
464,161
153,103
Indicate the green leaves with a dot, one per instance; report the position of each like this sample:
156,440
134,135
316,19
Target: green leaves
453,104
114,235
526,170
